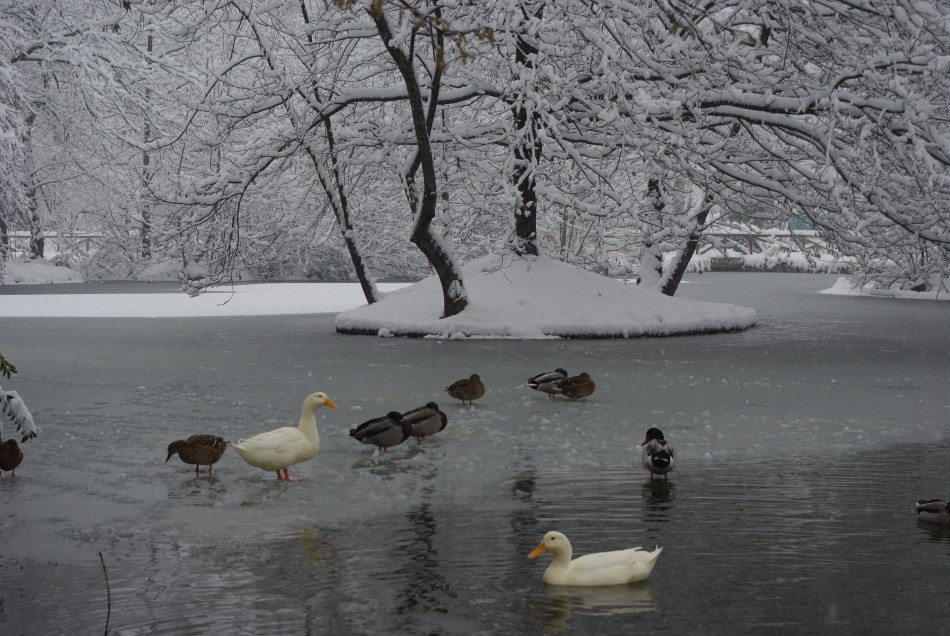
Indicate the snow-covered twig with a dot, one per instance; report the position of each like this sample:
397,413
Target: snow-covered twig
13,406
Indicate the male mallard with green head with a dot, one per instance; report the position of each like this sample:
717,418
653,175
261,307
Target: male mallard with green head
425,421
547,382
383,432
658,455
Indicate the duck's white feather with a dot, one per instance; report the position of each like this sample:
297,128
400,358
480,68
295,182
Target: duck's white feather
600,568
286,446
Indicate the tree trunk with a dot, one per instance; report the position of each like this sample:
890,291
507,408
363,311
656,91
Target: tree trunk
527,153
338,202
454,298
651,257
337,196
34,223
145,233
4,240
679,266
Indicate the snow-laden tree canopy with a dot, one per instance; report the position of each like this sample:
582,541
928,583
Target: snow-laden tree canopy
288,136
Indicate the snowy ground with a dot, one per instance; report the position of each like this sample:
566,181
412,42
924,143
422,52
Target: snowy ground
521,299
540,298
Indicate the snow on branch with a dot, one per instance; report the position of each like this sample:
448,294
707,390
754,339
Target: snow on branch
13,406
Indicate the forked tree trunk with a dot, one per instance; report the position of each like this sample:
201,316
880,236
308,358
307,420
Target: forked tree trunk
424,236
333,187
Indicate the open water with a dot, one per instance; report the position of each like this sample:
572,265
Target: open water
803,444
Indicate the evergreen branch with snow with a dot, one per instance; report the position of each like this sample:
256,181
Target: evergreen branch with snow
6,367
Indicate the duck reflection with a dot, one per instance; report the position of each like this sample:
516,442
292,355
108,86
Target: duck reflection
555,612
422,570
658,498
318,549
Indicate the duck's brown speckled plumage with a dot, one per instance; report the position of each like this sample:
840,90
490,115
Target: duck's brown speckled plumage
200,450
10,456
467,389
577,387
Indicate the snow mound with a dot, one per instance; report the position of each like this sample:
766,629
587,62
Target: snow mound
541,298
170,271
845,287
36,272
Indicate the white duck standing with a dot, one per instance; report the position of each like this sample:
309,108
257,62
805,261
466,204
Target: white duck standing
283,447
601,568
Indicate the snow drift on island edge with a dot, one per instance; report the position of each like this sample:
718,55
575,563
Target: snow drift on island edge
539,297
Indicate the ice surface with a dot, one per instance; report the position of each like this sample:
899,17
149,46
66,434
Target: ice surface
802,443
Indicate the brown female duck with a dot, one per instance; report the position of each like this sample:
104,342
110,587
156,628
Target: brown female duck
10,456
467,389
576,387
200,450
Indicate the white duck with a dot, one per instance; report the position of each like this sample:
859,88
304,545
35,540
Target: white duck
601,568
283,447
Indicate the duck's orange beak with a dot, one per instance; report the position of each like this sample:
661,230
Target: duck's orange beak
538,551
331,403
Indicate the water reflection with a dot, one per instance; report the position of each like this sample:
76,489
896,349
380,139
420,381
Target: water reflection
424,585
939,534
658,495
556,611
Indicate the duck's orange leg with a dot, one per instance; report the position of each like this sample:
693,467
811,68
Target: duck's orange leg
279,476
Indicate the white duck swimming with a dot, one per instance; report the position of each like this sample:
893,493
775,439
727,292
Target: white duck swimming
283,447
601,568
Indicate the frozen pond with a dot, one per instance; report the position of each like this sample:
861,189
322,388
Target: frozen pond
803,444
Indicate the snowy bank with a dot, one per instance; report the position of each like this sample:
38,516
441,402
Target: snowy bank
36,272
844,287
540,298
264,299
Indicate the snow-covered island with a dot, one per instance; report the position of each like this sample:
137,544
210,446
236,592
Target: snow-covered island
540,298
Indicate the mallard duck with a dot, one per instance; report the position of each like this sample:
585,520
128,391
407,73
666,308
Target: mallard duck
658,455
200,450
10,456
467,389
283,447
577,387
425,421
383,432
601,568
935,511
547,382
